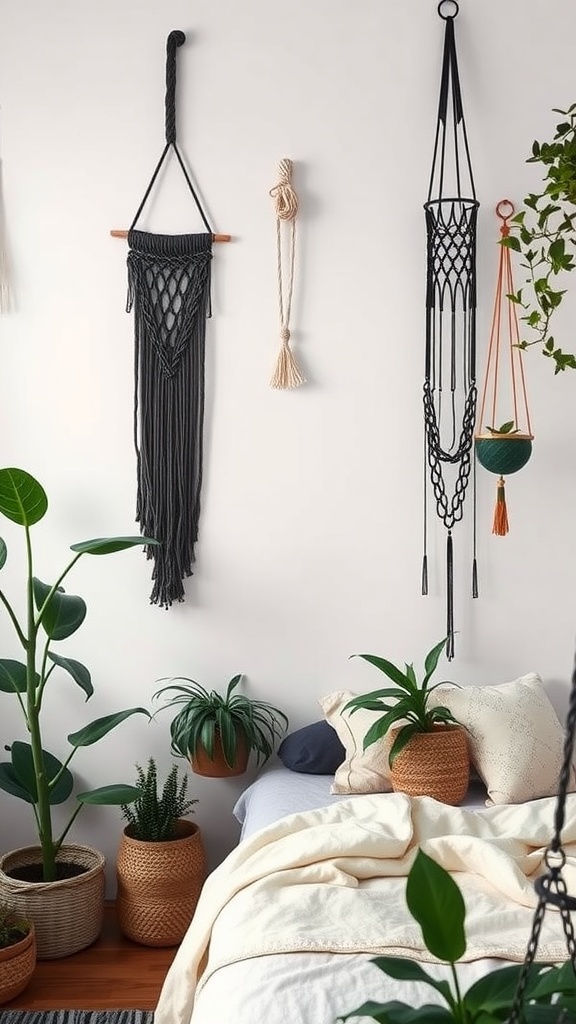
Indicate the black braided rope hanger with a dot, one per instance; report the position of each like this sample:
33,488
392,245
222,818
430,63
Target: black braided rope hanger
169,292
450,364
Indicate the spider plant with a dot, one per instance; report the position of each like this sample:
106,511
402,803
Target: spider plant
207,716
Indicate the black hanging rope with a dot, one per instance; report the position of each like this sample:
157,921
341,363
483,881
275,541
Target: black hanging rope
450,360
169,292
550,886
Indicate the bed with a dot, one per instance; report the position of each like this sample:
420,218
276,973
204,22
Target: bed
287,925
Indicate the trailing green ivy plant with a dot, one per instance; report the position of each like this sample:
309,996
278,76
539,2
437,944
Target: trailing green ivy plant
435,902
544,233
33,774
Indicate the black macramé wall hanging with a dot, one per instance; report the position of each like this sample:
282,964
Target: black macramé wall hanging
169,291
450,366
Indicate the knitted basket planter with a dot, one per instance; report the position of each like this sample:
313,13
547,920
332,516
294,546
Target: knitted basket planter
17,965
503,453
435,764
67,914
159,884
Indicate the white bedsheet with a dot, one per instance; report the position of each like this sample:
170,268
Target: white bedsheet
324,882
278,792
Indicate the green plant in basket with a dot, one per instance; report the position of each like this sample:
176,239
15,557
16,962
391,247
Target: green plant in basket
13,926
153,816
407,701
207,716
33,774
435,902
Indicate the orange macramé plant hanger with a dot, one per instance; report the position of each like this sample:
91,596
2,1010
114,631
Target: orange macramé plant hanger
504,436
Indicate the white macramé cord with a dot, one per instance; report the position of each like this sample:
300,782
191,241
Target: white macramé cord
286,374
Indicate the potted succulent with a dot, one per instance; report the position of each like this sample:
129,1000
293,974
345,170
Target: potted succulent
161,863
50,881
17,952
435,902
217,733
429,750
544,233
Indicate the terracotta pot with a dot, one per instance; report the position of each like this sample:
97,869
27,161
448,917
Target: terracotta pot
17,965
216,767
435,764
159,885
67,914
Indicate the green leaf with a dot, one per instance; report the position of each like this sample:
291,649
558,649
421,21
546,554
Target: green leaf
402,740
100,727
557,979
432,659
12,676
64,613
390,670
395,1012
408,970
79,672
116,794
109,545
496,990
10,783
511,242
3,553
436,903
22,499
25,773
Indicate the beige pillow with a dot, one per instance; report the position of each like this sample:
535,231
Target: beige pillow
516,740
362,771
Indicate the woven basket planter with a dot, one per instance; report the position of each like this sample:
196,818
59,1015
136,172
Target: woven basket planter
17,965
503,453
159,885
216,767
435,764
67,914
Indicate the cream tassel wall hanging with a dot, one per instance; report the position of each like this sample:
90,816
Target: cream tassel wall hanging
287,374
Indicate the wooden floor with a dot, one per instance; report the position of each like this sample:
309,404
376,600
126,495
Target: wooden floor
113,974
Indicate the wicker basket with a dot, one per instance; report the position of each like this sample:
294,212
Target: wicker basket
17,964
434,764
67,914
159,885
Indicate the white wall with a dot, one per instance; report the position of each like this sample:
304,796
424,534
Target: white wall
310,536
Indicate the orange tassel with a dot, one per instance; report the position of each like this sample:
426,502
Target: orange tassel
500,524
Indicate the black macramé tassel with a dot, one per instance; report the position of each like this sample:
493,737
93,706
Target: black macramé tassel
449,597
169,290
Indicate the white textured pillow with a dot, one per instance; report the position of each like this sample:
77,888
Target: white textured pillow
515,738
362,771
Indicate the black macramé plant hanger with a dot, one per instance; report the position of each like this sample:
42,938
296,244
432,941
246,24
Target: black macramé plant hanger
550,886
450,368
169,291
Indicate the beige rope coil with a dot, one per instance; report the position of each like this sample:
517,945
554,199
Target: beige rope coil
286,374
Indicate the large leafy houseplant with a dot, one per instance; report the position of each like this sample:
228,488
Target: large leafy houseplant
435,902
207,719
33,774
408,701
544,233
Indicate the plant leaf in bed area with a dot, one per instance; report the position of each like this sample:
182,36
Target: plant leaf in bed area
49,615
407,701
435,902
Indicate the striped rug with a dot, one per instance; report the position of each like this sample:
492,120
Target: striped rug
76,1016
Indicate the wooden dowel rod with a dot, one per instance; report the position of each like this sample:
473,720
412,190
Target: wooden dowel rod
120,233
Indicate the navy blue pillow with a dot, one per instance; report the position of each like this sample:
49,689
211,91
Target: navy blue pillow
314,749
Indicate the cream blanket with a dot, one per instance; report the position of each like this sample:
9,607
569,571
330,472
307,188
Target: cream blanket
333,879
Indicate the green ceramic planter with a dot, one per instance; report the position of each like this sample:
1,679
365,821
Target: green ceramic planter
503,453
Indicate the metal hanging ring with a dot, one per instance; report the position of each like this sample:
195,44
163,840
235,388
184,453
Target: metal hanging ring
505,204
453,4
